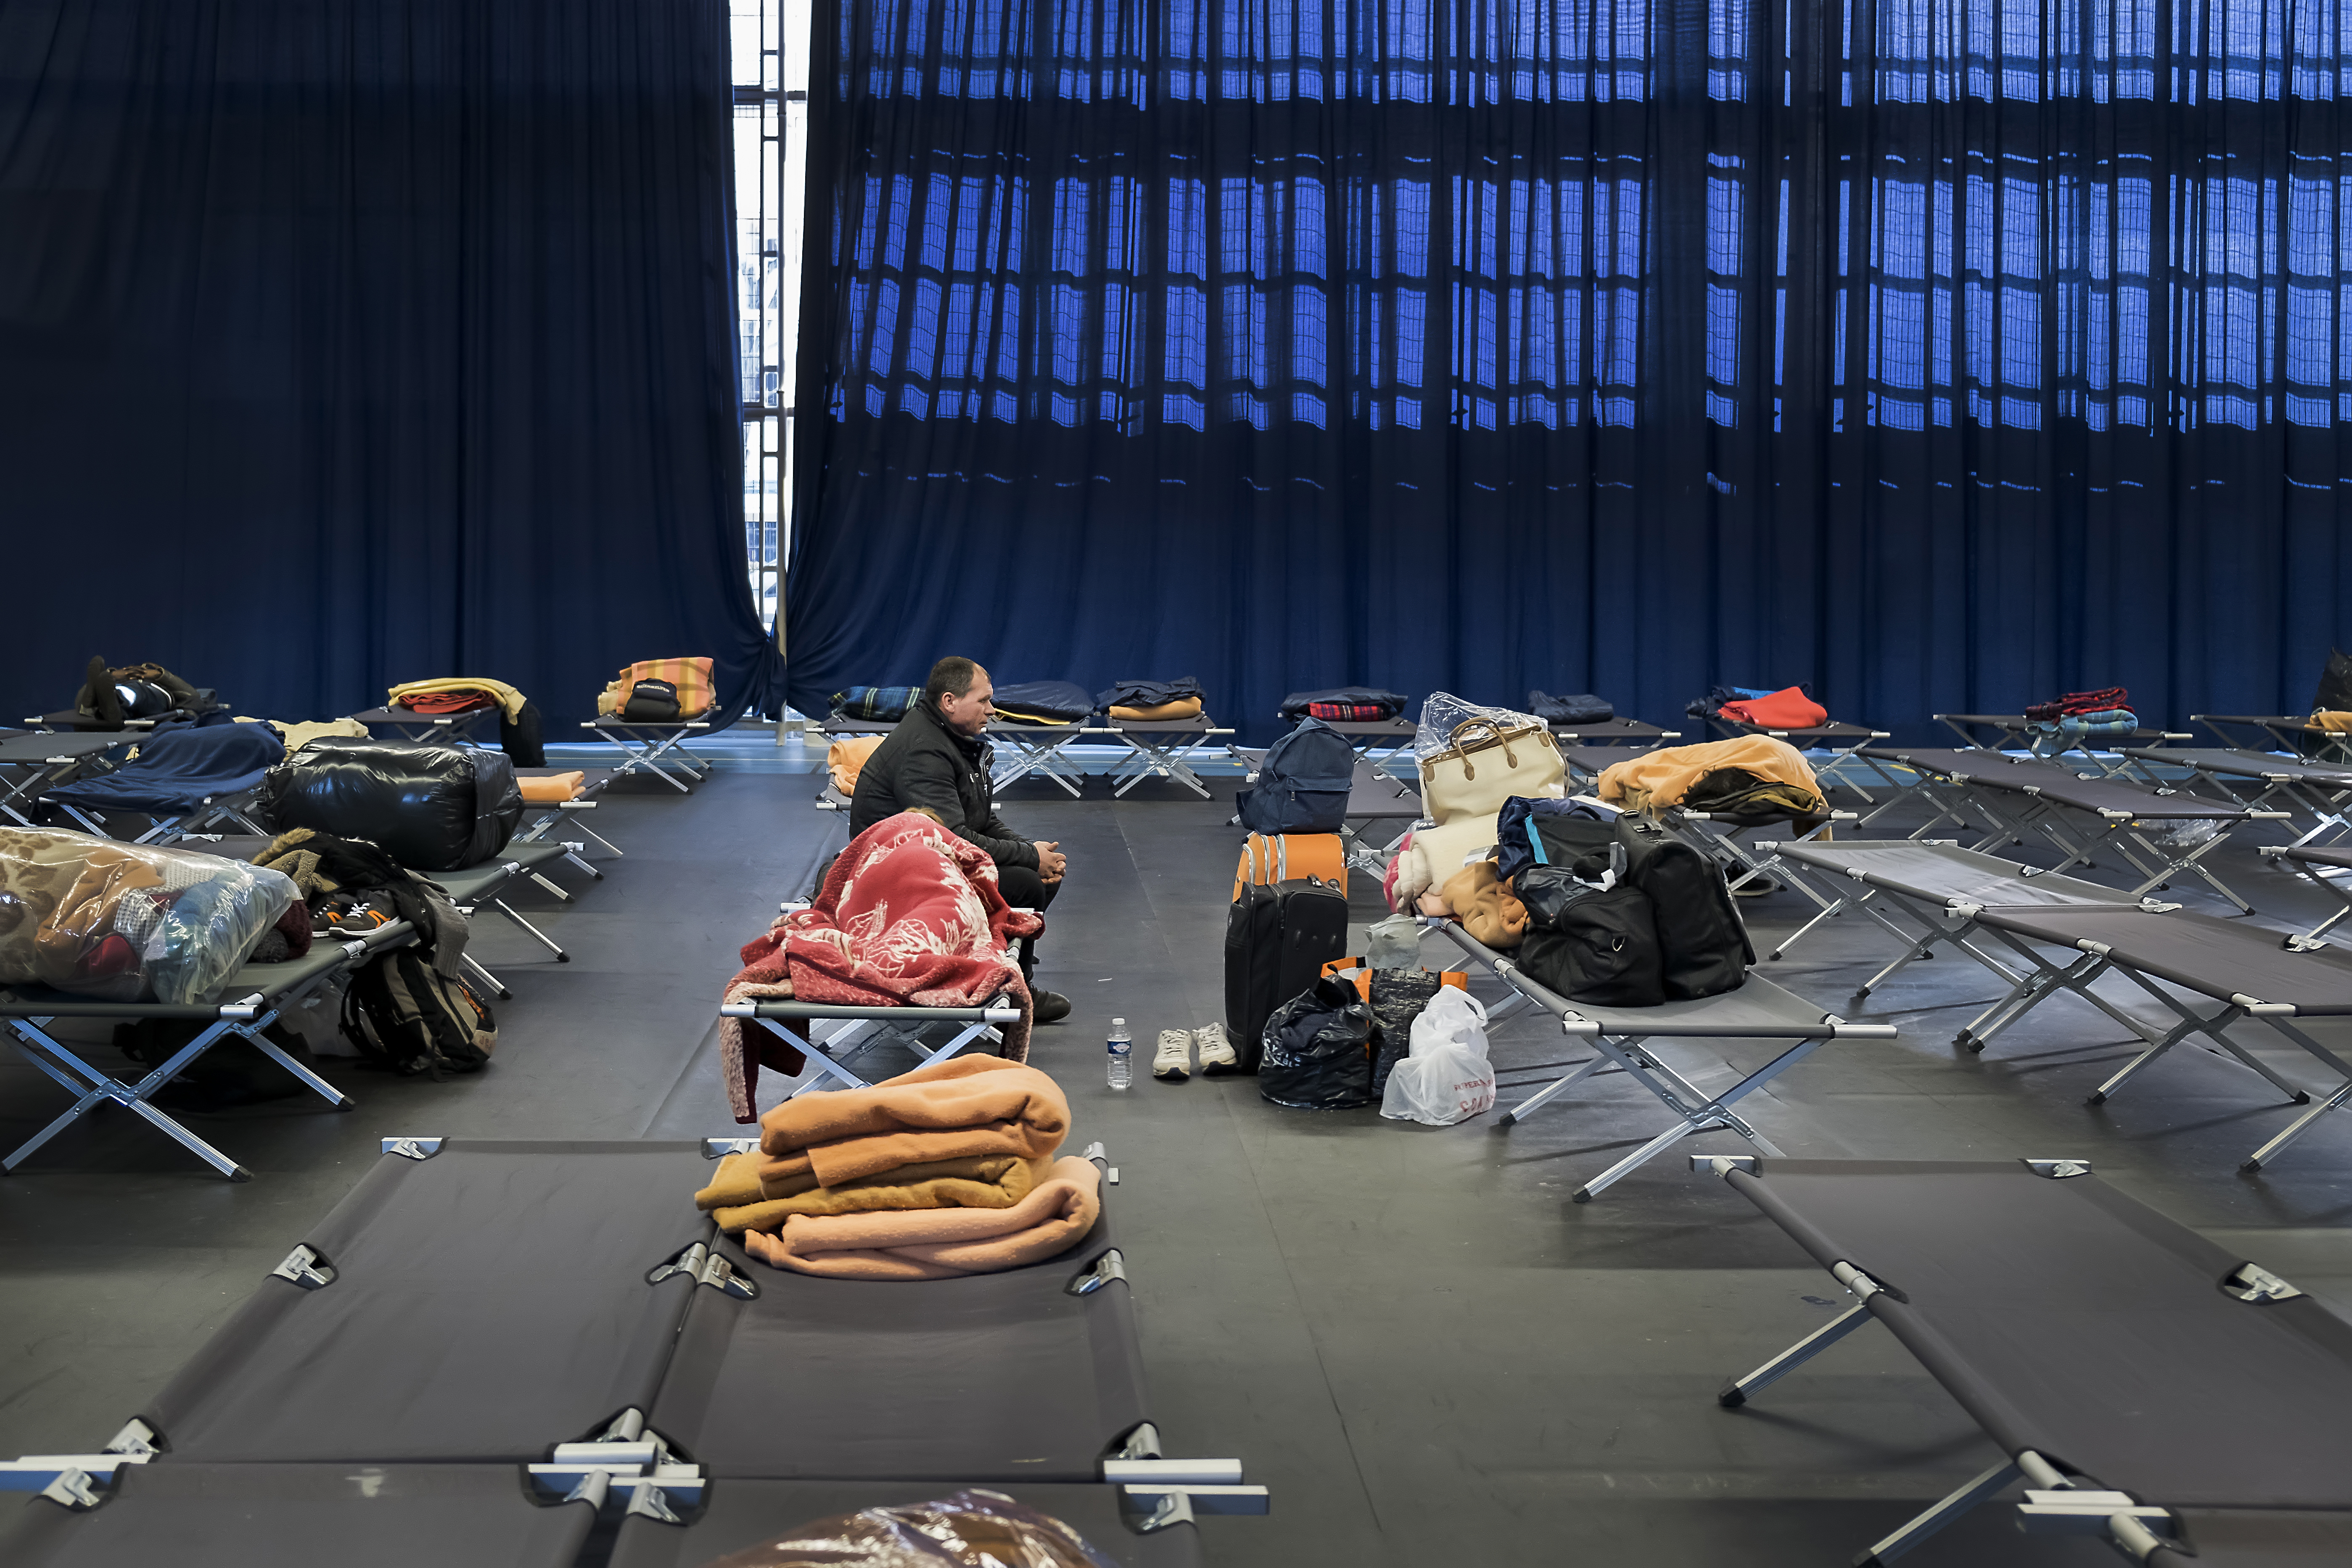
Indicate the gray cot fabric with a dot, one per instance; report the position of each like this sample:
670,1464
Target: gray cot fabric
2072,1320
2262,1538
743,1513
1948,873
488,1302
2219,958
2245,765
298,1516
991,1378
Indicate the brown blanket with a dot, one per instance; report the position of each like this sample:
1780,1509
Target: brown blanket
940,1243
967,1106
1658,780
739,1201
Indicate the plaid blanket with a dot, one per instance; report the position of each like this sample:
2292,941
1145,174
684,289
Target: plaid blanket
696,690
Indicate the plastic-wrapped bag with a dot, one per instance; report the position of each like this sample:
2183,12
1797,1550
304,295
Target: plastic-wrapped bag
1447,1079
1444,712
128,922
1317,1050
972,1529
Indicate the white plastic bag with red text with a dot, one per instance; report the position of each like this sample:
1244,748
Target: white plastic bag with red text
1447,1079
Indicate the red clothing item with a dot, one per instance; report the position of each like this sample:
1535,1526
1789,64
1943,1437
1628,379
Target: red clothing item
1788,708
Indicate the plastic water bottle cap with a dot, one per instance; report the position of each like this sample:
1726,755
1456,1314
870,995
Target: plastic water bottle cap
1118,1023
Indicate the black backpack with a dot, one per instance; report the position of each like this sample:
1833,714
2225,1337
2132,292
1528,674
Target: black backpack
1531,833
1702,942
406,1018
651,701
1304,783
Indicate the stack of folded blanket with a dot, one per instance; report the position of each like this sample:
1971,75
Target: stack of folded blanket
945,1171
2081,714
1755,775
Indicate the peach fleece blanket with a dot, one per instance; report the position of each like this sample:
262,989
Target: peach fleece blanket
945,1111
940,1243
1656,779
738,1200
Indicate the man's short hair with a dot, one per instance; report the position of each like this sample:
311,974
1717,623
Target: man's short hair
952,674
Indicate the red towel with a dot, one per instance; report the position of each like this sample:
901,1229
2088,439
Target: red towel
1788,708
2099,701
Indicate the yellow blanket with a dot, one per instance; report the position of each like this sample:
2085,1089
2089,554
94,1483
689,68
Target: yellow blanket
509,698
1656,779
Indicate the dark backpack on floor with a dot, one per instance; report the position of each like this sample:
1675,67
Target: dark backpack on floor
1303,785
1702,942
1277,939
406,1017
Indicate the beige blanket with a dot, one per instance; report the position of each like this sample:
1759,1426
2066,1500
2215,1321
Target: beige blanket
967,1106
940,1243
741,1201
1658,780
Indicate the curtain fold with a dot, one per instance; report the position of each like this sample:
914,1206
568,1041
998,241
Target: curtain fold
351,343
1943,353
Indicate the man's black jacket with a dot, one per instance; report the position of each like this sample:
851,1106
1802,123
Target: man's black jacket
924,763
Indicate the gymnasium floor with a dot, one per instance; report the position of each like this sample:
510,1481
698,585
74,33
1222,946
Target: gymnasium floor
1411,1334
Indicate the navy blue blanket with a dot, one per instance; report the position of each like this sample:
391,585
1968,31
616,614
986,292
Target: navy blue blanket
177,769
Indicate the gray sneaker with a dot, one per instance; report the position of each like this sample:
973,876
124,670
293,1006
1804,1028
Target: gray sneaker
1217,1057
1172,1062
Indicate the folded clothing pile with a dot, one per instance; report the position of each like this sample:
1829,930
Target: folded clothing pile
456,694
1785,707
2079,705
908,914
2081,716
126,923
1581,708
876,704
1153,702
552,788
692,691
1044,702
1755,776
1345,704
944,1171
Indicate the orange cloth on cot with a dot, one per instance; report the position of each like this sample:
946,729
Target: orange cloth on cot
845,759
552,789
1788,708
942,1111
692,677
940,1243
1656,779
2333,721
1159,713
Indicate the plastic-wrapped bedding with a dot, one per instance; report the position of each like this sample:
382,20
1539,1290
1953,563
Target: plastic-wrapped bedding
128,922
739,1517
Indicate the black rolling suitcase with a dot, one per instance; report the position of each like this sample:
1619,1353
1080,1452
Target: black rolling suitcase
1278,937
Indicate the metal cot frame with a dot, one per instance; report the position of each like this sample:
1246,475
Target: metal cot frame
30,764
1042,749
1618,1036
645,745
2017,727
2321,790
409,725
1165,748
2319,865
980,1022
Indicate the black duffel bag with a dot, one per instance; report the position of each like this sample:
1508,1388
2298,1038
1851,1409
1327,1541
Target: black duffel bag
1590,943
1317,1050
1702,941
431,808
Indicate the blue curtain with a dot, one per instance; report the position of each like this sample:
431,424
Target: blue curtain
1943,353
353,342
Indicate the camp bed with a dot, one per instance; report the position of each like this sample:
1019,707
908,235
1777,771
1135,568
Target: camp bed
2242,967
1039,749
31,764
1622,1037
182,781
249,1002
823,1049
2255,779
645,744
72,723
1381,742
2291,733
445,728
2016,729
1841,740
1379,807
1164,748
570,814
2146,1385
1614,732
2323,867
2023,796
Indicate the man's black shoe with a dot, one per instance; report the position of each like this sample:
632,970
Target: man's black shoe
1051,1005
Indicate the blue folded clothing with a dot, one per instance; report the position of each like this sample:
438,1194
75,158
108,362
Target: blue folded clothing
1043,702
1149,693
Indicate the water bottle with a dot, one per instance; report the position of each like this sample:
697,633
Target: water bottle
1122,1054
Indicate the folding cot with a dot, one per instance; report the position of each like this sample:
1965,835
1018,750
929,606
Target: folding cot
2015,727
625,1335
2321,865
1719,832
2286,732
973,1023
70,722
1042,749
571,813
1379,742
2323,789
1586,764
646,744
182,781
251,1000
1373,798
1615,732
1841,740
2147,1385
1621,1038
442,729
2018,796
31,764
1164,748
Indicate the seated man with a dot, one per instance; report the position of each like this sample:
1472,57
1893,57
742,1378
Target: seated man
936,761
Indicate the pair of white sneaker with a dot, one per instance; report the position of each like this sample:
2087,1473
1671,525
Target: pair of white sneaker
1172,1062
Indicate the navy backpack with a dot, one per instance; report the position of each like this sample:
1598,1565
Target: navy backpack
1303,785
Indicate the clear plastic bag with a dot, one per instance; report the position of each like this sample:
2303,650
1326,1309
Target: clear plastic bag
1447,1079
128,922
1444,713
972,1529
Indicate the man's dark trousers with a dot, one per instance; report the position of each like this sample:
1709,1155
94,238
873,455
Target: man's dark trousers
1024,889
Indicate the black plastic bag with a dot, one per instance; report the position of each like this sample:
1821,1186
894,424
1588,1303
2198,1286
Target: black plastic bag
1317,1052
1398,996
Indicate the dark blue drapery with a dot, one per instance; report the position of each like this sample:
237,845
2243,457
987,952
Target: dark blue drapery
353,342
1943,353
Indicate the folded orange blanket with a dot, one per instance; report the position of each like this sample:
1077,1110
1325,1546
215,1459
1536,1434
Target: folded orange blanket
944,1111
1656,779
552,789
1160,713
940,1243
738,1200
